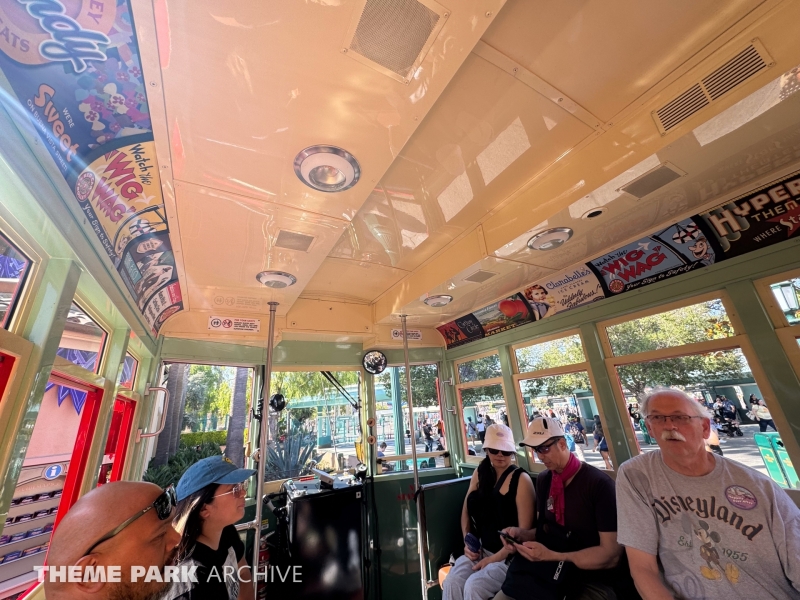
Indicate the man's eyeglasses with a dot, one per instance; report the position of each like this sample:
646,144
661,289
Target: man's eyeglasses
163,506
239,490
494,452
545,448
677,419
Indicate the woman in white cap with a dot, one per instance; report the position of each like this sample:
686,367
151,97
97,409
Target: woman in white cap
500,495
211,496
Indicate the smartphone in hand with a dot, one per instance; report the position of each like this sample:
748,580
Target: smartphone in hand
472,542
511,539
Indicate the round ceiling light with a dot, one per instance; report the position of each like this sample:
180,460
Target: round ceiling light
276,279
327,168
550,239
438,301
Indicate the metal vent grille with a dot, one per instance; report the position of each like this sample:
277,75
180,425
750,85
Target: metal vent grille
713,86
294,241
480,276
683,107
394,33
652,181
742,66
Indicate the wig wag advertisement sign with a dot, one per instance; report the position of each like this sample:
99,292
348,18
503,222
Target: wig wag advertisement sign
74,67
677,249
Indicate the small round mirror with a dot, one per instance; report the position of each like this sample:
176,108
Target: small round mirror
277,402
375,362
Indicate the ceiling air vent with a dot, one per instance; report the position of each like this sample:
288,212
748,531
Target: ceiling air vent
393,36
480,276
713,86
293,241
652,180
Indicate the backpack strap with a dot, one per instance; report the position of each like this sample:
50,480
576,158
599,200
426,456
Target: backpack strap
504,476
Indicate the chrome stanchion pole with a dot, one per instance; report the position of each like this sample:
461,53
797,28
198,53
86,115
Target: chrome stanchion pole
420,529
264,444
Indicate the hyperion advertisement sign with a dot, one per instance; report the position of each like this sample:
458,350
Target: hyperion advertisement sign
75,70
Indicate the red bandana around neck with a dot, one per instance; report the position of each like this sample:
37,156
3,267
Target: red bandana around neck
556,499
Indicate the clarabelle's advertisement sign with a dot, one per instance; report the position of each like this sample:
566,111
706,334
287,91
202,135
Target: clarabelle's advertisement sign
75,70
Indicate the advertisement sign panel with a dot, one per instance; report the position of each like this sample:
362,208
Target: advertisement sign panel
462,330
759,219
563,291
503,315
74,67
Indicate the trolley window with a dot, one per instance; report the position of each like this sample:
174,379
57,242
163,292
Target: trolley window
83,340
14,267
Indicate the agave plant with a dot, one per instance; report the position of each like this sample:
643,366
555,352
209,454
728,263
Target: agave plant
292,457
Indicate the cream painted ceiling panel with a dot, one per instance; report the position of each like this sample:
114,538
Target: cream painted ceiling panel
604,54
248,85
488,134
507,277
228,239
351,281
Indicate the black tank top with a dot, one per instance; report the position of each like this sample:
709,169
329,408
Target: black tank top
489,514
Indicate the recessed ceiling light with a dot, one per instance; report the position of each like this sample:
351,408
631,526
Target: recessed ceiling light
276,279
438,301
327,168
593,213
550,239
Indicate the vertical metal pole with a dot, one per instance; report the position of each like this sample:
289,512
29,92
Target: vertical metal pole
421,541
264,442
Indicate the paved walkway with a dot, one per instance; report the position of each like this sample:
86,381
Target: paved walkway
741,449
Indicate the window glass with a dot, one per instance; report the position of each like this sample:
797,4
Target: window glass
480,368
391,412
214,418
686,325
555,353
481,406
320,426
569,398
128,374
723,383
13,269
83,339
787,293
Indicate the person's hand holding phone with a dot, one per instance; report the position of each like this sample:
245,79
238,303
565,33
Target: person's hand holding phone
509,536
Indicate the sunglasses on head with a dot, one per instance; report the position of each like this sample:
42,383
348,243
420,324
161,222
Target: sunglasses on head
163,506
494,452
545,448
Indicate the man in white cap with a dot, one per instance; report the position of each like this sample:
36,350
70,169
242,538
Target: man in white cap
573,549
698,525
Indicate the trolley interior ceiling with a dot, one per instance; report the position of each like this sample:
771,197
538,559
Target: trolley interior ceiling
516,116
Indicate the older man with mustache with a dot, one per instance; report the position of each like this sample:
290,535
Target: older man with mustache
697,525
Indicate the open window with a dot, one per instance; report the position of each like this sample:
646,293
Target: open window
481,400
394,435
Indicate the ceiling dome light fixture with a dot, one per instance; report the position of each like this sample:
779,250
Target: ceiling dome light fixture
327,168
550,239
438,301
276,279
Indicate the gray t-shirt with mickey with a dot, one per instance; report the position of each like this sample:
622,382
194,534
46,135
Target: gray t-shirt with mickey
730,534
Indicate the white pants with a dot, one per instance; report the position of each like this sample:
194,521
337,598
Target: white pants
462,583
579,452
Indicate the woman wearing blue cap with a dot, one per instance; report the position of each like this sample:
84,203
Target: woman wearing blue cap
211,497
